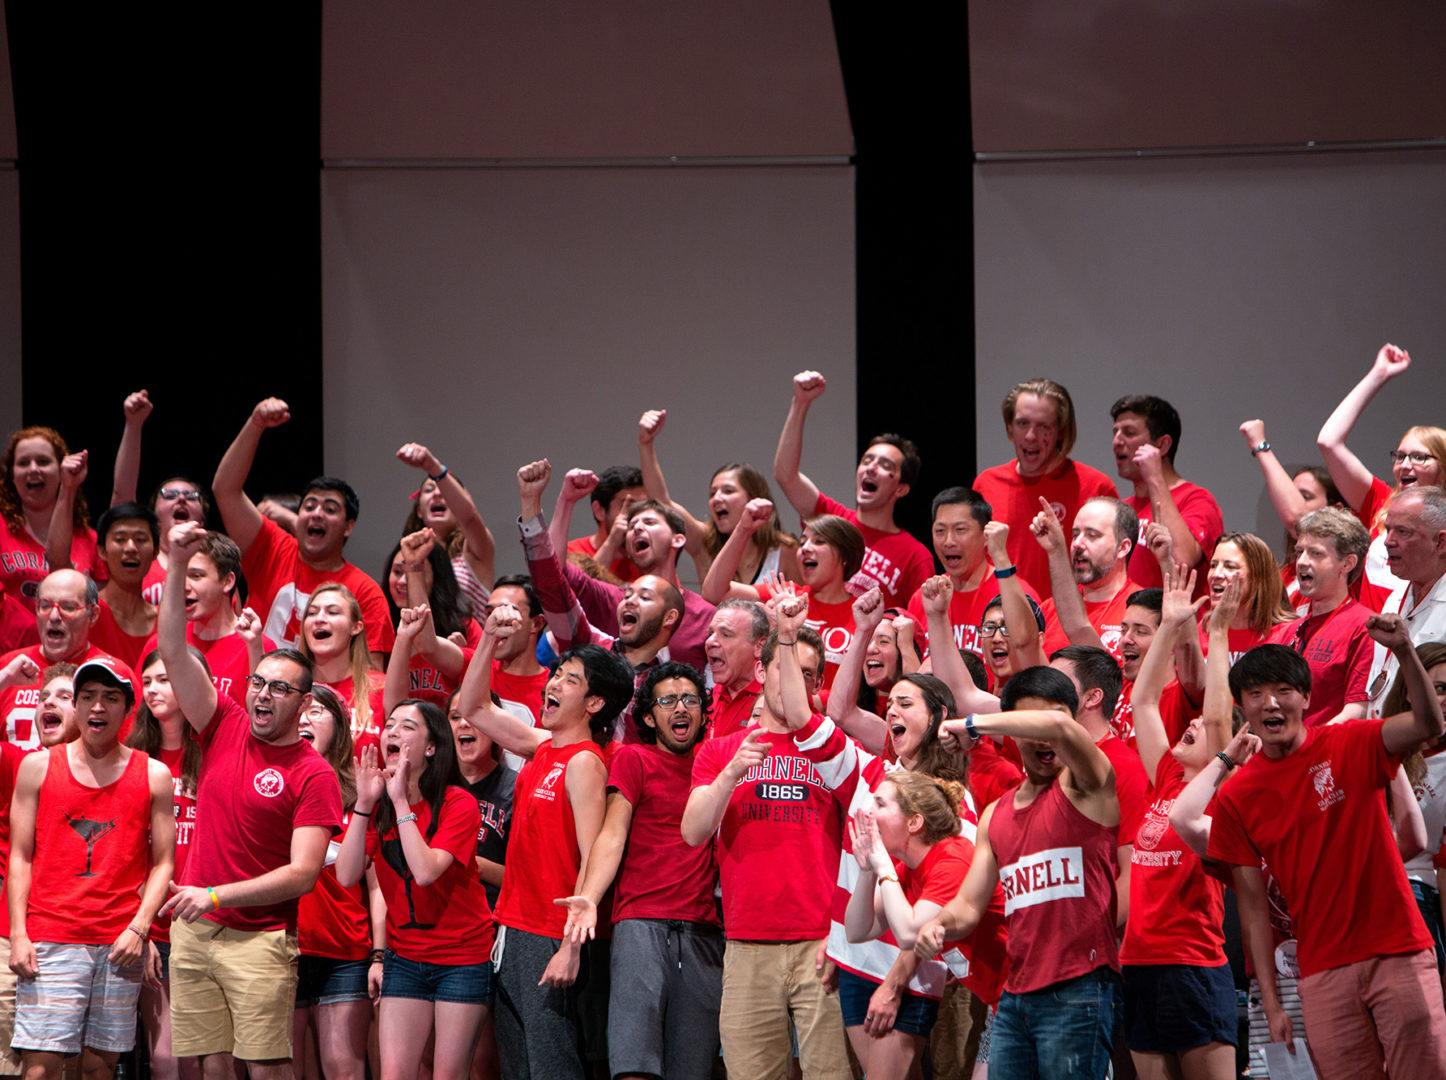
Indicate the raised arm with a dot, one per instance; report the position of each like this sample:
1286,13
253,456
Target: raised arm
944,655
1162,505
577,485
719,585
474,697
480,549
1019,620
1176,615
426,863
1187,815
445,654
194,690
1088,766
791,611
371,788
650,426
1279,487
128,455
238,512
843,708
1218,709
560,606
788,458
1069,606
398,685
73,470
1406,731
1351,476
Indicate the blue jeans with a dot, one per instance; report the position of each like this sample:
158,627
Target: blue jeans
1064,1030
1428,901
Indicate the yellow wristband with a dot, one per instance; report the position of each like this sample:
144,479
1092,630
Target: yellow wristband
211,889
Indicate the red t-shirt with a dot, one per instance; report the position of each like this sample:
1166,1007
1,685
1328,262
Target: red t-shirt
991,774
346,690
106,634
251,796
1338,649
543,858
937,878
966,612
1202,517
834,623
1176,908
10,758
281,584
778,845
1376,583
1106,616
17,624
92,853
661,877
18,703
333,921
184,803
1176,712
730,713
1318,818
23,565
154,583
1132,786
1014,500
227,658
522,691
896,562
621,568
448,921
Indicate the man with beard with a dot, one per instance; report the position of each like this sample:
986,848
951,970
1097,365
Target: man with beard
1331,547
282,569
1052,845
893,560
1090,580
667,948
655,537
66,607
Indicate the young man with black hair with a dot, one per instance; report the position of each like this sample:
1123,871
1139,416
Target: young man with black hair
667,946
1311,804
557,812
779,832
517,678
893,560
92,827
1039,422
1146,436
959,519
654,540
1052,845
267,805
618,487
282,569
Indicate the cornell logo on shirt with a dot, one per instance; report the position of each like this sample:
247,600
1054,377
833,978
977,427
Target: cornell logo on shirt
269,782
1325,785
1053,874
547,790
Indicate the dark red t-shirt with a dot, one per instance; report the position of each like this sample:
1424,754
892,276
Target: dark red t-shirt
896,562
23,565
1202,517
1338,649
184,804
227,657
731,712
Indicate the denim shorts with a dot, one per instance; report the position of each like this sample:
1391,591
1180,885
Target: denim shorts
463,984
917,1015
322,980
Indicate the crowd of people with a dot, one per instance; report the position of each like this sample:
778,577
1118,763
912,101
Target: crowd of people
832,814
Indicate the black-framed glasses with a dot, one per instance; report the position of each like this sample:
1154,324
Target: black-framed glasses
1415,457
277,687
988,628
691,701
180,493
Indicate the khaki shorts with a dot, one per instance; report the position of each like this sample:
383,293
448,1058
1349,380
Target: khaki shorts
9,1059
232,991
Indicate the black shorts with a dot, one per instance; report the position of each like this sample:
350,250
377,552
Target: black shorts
1171,1008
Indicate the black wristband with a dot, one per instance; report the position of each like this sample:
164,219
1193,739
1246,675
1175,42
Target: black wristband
440,476
1229,762
376,956
1008,571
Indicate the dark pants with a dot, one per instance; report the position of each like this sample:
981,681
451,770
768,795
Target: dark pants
537,1036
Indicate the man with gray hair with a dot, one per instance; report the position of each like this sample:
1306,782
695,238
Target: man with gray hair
1415,530
66,607
1330,551
735,640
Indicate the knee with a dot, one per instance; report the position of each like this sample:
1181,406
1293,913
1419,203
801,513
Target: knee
93,1066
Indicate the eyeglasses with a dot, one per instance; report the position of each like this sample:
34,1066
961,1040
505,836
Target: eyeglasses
667,701
1415,457
185,494
276,686
989,628
45,606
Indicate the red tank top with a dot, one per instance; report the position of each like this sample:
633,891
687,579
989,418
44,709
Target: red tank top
92,854
542,853
1057,869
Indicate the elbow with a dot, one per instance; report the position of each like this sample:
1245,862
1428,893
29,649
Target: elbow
428,876
857,936
695,833
906,937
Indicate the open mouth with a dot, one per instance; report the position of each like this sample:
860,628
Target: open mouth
55,635
551,703
951,562
680,727
1272,723
897,732
190,604
35,483
627,620
1129,655
808,564
437,508
307,734
50,721
316,531
1406,479
1304,578
1044,757
321,633
868,487
261,712
393,749
182,512
1188,739
466,741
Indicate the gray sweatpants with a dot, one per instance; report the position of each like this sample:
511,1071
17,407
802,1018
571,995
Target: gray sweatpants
537,1036
667,982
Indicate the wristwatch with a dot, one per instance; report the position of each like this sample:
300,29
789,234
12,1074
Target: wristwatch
1259,448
